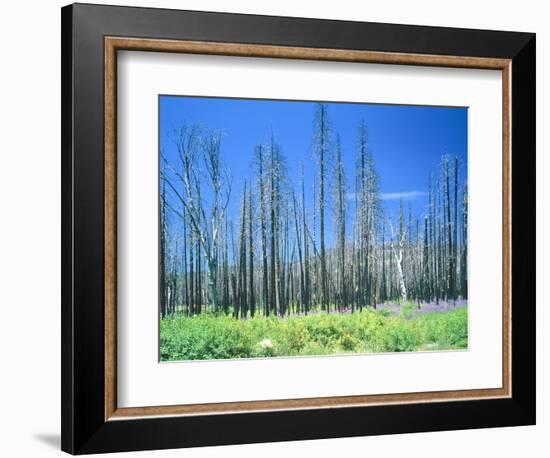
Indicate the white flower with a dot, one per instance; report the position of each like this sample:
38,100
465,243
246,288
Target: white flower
266,343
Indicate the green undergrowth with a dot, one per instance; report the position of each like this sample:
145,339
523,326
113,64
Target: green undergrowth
210,336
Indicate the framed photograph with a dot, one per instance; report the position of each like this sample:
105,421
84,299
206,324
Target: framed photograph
281,228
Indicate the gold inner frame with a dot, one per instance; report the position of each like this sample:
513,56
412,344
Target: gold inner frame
114,44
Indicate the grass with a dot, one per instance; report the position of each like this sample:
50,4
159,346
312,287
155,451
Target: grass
209,336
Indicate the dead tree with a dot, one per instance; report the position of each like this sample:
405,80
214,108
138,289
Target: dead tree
341,224
397,242
251,298
195,146
322,140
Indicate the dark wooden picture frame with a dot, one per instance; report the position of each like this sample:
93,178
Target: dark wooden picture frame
91,37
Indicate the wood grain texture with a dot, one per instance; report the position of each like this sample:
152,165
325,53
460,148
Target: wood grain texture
110,198
507,228
128,413
288,52
112,45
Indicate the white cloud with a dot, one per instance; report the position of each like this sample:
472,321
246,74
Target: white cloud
401,195
406,195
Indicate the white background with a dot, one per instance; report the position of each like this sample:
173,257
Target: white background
142,76
30,229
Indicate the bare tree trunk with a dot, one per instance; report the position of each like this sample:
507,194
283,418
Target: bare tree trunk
298,239
363,250
173,281
307,294
464,262
192,295
322,133
185,284
251,300
242,268
163,252
383,286
263,222
426,264
402,287
273,223
398,256
450,252
341,225
278,304
455,231
226,272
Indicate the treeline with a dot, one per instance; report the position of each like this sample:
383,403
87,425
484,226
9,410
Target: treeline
273,259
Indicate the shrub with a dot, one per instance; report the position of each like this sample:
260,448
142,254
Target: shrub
210,336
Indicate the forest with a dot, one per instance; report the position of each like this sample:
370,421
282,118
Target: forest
269,259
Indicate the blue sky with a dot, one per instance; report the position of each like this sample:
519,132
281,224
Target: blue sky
407,142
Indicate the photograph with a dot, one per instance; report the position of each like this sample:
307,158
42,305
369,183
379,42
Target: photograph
275,217
306,228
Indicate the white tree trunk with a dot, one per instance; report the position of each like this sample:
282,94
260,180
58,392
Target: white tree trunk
402,286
